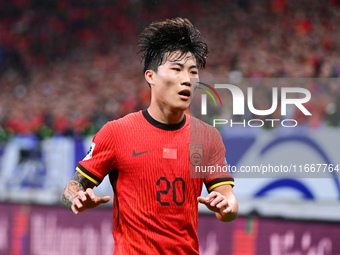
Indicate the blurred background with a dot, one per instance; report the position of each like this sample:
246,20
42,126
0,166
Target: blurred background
67,67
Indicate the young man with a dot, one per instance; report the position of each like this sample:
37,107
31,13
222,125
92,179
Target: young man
149,155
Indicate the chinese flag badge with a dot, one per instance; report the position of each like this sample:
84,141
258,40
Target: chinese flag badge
169,153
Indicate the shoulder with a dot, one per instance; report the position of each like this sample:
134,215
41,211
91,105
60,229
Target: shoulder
118,127
205,134
126,121
200,127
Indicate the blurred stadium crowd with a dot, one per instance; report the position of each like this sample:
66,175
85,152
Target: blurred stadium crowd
68,66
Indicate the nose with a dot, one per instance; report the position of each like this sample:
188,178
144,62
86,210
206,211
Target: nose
186,79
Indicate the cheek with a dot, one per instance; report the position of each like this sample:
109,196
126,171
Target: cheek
163,90
167,86
168,80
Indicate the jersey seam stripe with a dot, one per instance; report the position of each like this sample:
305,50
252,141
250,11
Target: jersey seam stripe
220,184
87,176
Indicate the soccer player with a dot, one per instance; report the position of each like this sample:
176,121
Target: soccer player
149,155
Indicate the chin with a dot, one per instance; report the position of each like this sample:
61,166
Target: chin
184,106
180,108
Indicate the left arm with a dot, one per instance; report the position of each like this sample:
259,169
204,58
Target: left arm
222,201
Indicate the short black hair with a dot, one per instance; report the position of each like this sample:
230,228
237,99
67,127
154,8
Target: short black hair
163,37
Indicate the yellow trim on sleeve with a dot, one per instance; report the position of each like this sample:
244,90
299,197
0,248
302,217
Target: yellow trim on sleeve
220,184
88,177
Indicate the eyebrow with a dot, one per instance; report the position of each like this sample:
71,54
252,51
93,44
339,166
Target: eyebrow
181,65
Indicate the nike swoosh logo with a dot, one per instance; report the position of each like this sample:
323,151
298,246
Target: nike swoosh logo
135,154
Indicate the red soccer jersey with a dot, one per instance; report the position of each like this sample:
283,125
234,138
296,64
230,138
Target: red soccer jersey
155,206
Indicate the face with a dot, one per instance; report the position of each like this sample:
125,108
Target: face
171,87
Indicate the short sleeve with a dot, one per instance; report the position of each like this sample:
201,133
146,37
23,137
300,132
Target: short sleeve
100,158
221,175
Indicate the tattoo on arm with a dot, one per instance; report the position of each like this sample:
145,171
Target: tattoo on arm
86,183
77,183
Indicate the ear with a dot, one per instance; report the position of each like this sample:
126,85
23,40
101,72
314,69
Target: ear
150,77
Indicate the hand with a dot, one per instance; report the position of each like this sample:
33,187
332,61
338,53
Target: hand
219,204
215,202
87,200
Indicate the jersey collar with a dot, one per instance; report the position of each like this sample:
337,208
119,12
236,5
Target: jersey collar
163,126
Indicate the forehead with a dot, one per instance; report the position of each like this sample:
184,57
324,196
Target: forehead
180,57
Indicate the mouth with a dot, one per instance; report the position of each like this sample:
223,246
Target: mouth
184,94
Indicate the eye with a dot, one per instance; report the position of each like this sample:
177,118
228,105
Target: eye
194,72
176,69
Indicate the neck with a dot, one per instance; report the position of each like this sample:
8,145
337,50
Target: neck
165,116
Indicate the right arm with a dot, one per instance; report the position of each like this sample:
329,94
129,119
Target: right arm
79,196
